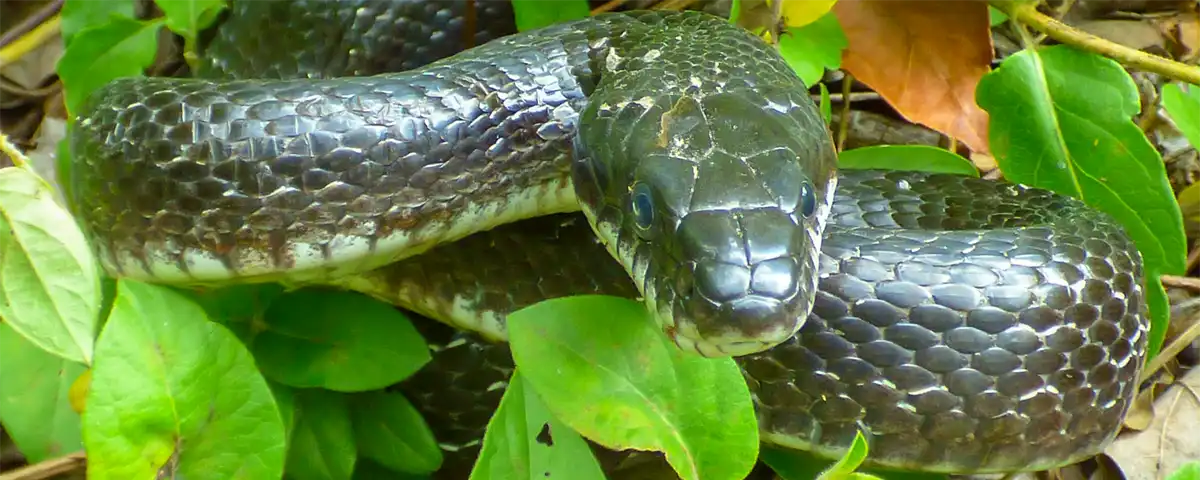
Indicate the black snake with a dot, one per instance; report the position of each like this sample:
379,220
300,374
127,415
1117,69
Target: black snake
965,325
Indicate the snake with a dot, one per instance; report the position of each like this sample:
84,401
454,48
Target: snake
415,152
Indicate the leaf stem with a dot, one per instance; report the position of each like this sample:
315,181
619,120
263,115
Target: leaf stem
1027,13
28,42
14,153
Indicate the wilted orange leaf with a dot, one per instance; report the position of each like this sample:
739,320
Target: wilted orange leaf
924,57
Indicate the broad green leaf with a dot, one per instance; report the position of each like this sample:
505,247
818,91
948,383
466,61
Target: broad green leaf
342,341
524,440
799,13
78,15
122,47
239,307
801,465
175,394
51,288
367,469
533,14
285,401
389,430
1184,108
323,445
907,157
810,49
1189,471
187,18
35,405
1061,119
604,368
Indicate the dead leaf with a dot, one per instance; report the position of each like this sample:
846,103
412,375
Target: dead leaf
1134,34
1183,29
1170,441
924,57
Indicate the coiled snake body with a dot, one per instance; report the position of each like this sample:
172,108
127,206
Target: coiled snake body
967,325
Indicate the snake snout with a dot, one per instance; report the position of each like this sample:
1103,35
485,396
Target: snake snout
746,282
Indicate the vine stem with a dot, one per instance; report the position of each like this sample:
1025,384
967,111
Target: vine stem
14,153
1027,13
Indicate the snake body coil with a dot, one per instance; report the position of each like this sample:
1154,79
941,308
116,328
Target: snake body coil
967,325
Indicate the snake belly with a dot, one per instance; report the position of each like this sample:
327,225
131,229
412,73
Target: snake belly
966,325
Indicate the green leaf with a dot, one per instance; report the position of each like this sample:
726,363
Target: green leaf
51,288
1184,108
532,14
1189,471
285,401
342,341
826,104
78,15
735,11
175,394
845,467
389,430
367,469
239,307
995,16
121,48
323,445
604,368
187,18
810,49
907,157
801,465
524,440
1061,119
34,406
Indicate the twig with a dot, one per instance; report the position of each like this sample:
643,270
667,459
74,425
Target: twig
853,97
1190,283
1172,349
1028,14
608,6
47,469
30,22
29,41
14,153
844,124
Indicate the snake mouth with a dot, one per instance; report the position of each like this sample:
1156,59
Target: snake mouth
744,290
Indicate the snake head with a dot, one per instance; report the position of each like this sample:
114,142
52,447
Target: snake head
715,204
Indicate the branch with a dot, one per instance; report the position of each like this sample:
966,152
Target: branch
1027,13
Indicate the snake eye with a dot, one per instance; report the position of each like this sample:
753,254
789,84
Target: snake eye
643,206
808,200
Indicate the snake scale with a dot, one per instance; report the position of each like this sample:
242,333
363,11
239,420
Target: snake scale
966,325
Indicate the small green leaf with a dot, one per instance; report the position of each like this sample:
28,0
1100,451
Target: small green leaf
323,445
849,462
239,307
826,104
801,465
995,16
367,469
176,395
735,11
810,49
1061,119
1189,471
285,401
120,48
533,14
524,440
604,368
187,18
51,288
389,430
78,15
34,404
1184,108
907,157
342,341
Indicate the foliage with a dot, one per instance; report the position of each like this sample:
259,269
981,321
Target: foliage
253,381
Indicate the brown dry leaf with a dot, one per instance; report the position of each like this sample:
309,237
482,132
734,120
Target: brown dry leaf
924,57
1184,29
1170,441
